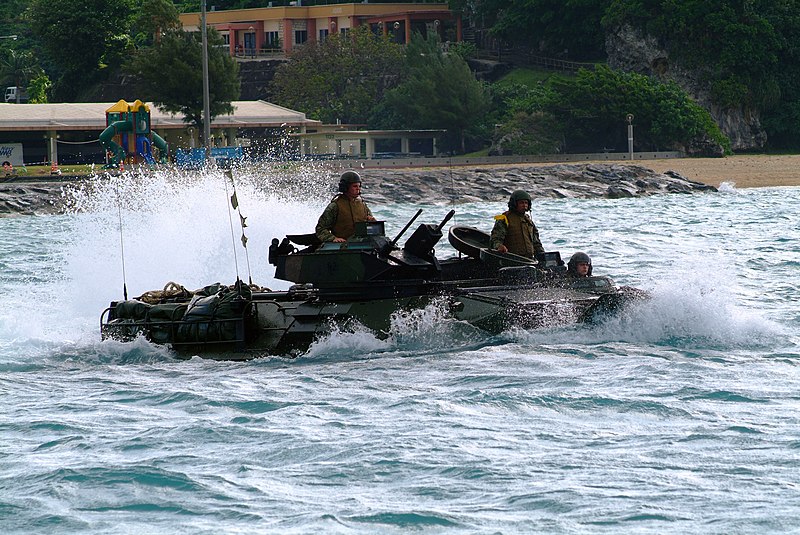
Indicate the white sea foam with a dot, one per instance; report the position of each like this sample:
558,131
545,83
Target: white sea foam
727,187
176,226
421,430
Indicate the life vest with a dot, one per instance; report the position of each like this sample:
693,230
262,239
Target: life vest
349,213
519,236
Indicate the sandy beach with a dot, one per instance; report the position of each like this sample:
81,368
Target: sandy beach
748,171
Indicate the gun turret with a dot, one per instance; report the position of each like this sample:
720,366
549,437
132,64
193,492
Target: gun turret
425,238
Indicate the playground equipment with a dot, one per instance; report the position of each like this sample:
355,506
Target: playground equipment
128,137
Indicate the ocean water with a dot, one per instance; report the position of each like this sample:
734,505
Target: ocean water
680,417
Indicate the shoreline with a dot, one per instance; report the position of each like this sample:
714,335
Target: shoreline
743,171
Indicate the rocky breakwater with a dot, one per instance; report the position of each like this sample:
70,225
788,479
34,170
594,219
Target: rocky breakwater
495,183
459,184
31,198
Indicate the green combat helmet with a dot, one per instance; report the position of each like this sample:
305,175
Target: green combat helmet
572,265
519,195
348,177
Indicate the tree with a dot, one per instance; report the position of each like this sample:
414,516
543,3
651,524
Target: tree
11,22
340,78
38,88
438,91
554,27
153,19
17,67
526,124
171,75
593,106
82,38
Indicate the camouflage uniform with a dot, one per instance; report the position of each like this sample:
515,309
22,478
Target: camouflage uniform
340,217
518,233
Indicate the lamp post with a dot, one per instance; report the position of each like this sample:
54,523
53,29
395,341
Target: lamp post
629,118
206,97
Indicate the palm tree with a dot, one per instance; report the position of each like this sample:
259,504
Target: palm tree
18,67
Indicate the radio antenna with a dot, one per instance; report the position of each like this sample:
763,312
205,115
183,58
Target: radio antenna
121,242
242,224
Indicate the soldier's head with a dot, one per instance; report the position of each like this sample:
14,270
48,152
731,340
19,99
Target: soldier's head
520,201
580,265
348,182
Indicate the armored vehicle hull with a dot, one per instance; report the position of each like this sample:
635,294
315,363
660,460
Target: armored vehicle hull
364,282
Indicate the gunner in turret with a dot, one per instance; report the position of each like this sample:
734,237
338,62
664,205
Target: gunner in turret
514,231
579,265
338,221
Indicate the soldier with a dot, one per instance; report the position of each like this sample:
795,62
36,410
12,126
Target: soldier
579,265
338,221
514,231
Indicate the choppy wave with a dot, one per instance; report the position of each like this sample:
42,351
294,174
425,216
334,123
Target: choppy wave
679,416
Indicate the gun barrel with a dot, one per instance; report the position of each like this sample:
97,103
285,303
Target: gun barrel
394,241
447,218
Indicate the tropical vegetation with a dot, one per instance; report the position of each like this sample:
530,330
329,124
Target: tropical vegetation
341,78
746,53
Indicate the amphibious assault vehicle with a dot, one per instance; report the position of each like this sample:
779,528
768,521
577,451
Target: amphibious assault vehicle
364,281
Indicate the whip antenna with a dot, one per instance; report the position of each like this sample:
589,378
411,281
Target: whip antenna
121,245
452,182
234,203
242,224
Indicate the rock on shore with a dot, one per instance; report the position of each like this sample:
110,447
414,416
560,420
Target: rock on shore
450,184
493,183
30,198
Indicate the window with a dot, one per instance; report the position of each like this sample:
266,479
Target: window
323,34
271,39
300,36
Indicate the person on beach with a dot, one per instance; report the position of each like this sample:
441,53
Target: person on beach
514,231
579,265
338,221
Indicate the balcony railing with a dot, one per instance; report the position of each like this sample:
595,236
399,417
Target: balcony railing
255,53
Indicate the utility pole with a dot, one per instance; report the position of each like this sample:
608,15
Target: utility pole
629,117
206,97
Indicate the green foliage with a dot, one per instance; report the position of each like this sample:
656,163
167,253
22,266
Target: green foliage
531,133
11,20
153,19
594,105
464,49
82,38
193,6
340,78
438,91
555,27
587,113
17,67
171,74
188,6
526,126
733,43
509,99
525,76
38,89
745,51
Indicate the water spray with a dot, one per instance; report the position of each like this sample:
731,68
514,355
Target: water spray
121,244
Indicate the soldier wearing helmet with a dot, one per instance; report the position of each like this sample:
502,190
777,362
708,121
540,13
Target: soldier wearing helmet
514,231
338,221
579,265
